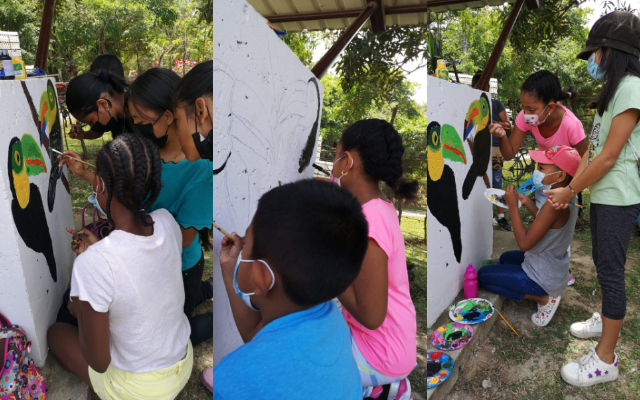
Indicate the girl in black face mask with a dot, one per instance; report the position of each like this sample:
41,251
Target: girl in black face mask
193,103
97,100
187,187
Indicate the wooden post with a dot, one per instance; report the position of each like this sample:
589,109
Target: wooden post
343,41
378,24
45,34
502,41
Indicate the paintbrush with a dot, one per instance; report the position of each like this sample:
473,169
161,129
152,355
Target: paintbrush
73,158
505,320
319,168
227,234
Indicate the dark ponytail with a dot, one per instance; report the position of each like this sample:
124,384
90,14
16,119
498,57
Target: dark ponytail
132,169
380,148
615,66
85,90
546,87
196,83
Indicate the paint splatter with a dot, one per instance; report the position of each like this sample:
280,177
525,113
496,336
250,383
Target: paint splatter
307,151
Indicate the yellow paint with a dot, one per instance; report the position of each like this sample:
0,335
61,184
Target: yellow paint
435,164
441,70
21,185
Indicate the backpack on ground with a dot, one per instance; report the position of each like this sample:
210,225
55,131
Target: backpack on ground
20,379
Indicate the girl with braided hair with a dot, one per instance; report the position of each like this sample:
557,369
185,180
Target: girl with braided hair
132,339
377,306
97,99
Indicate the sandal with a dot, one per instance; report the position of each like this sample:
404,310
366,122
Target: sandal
207,378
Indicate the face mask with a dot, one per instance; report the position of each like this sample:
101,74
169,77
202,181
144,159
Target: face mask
246,297
594,69
538,177
113,126
146,130
532,119
204,147
335,180
93,199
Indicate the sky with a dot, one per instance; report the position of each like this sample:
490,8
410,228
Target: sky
420,76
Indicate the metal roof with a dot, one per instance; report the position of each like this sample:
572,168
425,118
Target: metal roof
397,12
452,5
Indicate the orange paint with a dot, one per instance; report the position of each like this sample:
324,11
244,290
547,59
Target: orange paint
456,151
38,163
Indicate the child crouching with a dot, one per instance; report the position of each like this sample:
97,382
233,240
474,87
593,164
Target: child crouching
540,270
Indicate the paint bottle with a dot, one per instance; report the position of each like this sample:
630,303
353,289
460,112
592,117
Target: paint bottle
19,69
470,283
441,70
7,65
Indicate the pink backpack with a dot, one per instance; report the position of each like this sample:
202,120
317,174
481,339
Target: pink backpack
20,379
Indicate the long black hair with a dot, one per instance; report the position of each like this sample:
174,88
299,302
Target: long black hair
132,169
154,90
108,63
84,91
615,66
380,148
546,87
196,83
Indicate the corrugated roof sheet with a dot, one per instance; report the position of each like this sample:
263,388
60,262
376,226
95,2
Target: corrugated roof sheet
270,8
462,5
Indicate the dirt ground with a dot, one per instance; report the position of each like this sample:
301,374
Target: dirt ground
528,367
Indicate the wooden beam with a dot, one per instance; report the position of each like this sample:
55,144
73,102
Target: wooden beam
45,34
532,4
343,41
378,24
278,19
490,68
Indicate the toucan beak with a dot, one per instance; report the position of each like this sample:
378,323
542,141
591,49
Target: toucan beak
452,147
33,158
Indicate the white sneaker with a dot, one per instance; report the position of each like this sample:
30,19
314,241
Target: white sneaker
589,328
590,370
546,312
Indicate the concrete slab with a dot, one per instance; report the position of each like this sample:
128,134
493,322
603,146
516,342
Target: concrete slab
502,241
63,385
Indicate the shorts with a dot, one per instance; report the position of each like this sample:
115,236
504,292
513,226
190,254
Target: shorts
162,384
497,179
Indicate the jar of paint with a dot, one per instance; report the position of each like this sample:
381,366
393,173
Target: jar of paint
470,283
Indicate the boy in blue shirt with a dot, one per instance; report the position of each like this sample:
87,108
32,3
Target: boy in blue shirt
304,247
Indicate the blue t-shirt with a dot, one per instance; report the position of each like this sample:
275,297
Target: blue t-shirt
304,355
187,193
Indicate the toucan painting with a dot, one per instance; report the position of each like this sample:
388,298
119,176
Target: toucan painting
477,122
49,125
26,160
443,142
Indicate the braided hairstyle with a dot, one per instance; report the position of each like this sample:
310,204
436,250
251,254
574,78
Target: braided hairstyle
380,148
131,168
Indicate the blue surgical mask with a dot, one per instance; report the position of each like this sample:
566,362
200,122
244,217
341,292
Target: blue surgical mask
246,297
93,199
594,69
538,177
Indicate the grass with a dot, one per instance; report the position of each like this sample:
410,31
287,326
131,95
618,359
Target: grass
203,353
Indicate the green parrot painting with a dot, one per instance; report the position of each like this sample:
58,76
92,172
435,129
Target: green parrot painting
443,142
25,160
477,122
49,125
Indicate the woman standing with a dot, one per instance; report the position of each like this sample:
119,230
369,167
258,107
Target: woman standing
611,172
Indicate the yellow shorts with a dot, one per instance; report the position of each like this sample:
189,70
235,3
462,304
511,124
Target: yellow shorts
162,384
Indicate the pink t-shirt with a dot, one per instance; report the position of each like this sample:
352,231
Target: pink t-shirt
569,133
390,349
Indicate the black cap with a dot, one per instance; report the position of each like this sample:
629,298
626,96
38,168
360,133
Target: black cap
618,30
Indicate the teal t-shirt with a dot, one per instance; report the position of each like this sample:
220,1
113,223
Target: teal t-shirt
621,185
187,193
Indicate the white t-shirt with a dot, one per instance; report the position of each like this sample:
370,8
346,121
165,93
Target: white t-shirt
138,280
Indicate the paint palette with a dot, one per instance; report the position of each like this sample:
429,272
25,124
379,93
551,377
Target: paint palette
439,369
496,196
471,311
527,188
451,336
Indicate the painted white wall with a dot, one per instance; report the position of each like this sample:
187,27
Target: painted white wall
448,103
265,107
28,295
